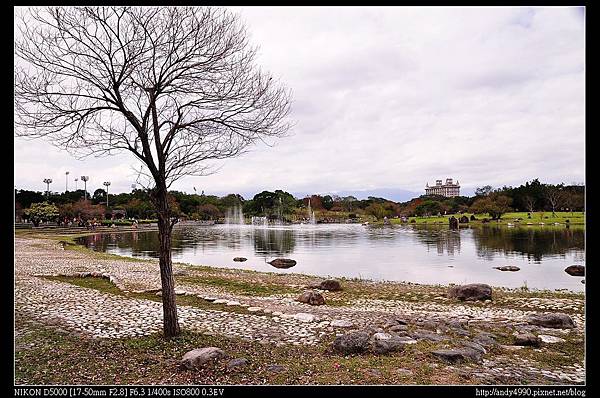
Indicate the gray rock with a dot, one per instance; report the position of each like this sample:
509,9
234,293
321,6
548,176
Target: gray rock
341,323
374,372
398,328
305,317
312,298
406,340
427,335
240,259
545,338
432,325
237,364
200,356
383,343
475,346
458,355
403,372
461,331
275,368
575,270
508,268
555,321
352,343
485,339
180,272
282,263
474,291
330,284
527,339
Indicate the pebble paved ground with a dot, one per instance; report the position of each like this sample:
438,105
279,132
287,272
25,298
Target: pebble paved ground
277,319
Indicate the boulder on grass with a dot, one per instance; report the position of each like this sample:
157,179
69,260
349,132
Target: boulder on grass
555,321
527,339
352,343
312,298
471,292
237,364
465,354
200,356
330,284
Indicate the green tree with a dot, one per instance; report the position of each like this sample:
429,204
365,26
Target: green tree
99,196
327,202
483,191
26,198
43,211
207,212
378,210
495,205
429,208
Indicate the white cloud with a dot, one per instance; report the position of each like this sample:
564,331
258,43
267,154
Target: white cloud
397,97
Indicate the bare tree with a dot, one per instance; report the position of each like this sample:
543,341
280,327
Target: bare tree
529,203
175,86
555,197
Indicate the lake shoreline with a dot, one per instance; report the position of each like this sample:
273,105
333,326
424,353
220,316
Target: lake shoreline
69,242
64,306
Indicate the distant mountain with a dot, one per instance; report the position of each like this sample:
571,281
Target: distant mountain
395,194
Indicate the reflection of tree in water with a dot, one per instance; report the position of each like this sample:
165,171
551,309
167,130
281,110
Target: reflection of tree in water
533,243
140,242
273,242
266,241
443,239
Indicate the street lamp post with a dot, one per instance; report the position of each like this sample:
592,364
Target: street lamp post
85,179
47,181
106,184
66,181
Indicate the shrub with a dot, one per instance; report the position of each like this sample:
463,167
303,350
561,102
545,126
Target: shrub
116,222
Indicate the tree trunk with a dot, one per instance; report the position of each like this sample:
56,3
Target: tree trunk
170,322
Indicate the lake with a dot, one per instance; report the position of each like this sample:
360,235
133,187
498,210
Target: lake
419,254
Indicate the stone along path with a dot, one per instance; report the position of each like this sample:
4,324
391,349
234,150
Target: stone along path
276,319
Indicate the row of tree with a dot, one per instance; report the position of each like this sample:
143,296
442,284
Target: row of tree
532,196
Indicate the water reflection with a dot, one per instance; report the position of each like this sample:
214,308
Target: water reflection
412,253
273,242
533,243
443,239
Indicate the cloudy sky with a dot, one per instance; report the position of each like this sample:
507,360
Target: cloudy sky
387,99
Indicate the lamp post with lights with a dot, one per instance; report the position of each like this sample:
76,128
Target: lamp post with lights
47,181
85,179
106,184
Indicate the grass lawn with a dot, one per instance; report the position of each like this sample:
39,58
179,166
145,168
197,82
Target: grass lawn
517,218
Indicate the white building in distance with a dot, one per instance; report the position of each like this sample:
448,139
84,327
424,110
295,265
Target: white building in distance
449,189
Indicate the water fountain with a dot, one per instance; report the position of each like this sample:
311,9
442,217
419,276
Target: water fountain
235,215
311,214
260,221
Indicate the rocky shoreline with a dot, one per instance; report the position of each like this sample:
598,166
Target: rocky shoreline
492,339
